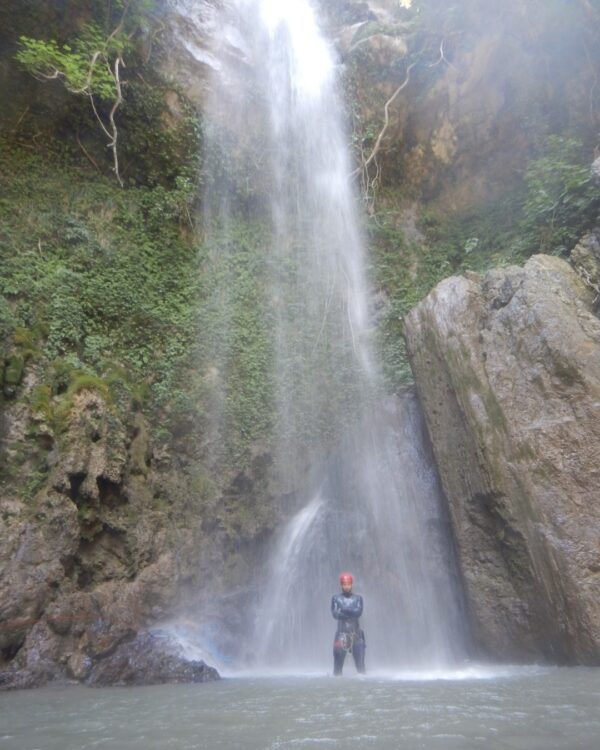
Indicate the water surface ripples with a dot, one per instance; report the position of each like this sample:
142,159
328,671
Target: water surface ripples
502,709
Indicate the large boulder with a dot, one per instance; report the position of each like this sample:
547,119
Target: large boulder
143,659
149,660
507,366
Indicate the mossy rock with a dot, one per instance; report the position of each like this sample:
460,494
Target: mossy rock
13,371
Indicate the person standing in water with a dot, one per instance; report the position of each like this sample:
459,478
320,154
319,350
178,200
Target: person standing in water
346,608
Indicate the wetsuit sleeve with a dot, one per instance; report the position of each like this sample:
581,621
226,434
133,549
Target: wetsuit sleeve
335,608
359,606
354,607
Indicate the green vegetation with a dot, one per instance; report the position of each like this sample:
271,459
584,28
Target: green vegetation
547,212
34,483
235,345
96,281
119,110
85,68
91,64
107,289
560,200
405,272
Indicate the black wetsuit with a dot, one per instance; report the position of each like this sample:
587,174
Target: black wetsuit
347,608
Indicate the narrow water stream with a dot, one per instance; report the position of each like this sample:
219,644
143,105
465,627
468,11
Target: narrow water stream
495,709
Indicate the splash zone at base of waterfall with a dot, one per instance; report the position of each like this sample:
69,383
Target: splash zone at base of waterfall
353,464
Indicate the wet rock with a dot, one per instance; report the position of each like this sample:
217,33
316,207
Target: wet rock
352,12
139,450
79,666
585,256
89,560
39,661
94,453
12,679
191,59
508,370
148,660
382,49
31,567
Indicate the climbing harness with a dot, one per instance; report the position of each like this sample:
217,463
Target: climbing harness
345,641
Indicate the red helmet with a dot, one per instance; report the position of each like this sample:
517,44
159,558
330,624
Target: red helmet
346,578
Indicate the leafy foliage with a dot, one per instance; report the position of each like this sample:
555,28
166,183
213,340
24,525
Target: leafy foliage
235,348
404,273
560,199
96,281
157,149
91,64
106,289
76,64
110,32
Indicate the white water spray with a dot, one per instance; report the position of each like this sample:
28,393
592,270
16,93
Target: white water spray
374,507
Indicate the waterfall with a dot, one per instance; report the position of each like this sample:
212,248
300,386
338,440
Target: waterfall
354,461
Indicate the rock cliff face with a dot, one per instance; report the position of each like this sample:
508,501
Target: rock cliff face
486,79
508,371
91,558
124,531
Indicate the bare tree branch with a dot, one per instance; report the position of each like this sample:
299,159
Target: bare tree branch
442,58
20,120
87,89
100,121
380,137
88,156
121,23
115,133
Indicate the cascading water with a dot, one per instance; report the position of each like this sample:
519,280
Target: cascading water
377,514
370,499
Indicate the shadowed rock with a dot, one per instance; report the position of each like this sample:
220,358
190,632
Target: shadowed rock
586,258
148,660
